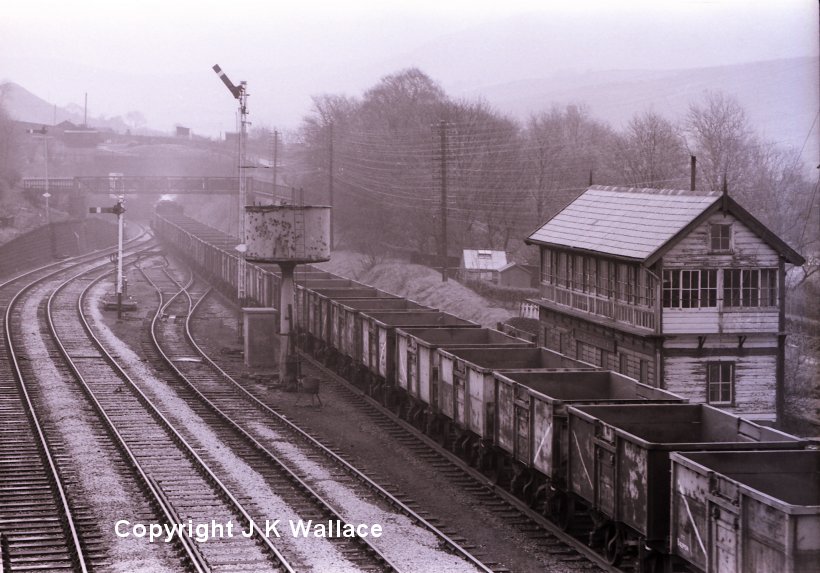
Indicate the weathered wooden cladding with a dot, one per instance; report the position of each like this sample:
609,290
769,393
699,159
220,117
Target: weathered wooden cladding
691,299
747,251
605,288
627,353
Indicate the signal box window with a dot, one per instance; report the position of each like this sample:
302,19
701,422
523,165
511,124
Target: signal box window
720,238
750,287
689,288
588,353
721,382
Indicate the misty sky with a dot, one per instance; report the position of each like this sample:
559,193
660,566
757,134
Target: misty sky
156,56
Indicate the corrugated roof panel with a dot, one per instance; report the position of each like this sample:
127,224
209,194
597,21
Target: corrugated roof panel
624,221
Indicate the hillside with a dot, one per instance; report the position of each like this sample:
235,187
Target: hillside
23,105
779,96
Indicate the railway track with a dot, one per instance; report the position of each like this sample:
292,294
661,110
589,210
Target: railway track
181,484
560,544
555,540
41,527
310,473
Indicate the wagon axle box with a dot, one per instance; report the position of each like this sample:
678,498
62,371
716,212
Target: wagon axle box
746,511
619,455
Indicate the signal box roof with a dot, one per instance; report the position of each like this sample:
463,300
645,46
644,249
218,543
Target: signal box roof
641,224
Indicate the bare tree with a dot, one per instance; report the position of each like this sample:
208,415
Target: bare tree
405,100
135,120
561,149
386,161
488,201
721,139
651,152
329,113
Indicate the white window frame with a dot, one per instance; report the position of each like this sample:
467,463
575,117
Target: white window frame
745,292
718,365
711,238
702,292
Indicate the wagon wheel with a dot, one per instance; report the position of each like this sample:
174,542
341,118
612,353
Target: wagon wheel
485,459
562,509
429,423
496,474
472,449
398,409
529,490
443,434
614,545
649,561
416,417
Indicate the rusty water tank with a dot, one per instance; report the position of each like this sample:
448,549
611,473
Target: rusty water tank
287,233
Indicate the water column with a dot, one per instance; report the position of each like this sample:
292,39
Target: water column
287,235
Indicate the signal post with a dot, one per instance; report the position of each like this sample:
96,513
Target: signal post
119,210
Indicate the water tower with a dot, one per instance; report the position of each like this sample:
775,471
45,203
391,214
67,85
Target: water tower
287,235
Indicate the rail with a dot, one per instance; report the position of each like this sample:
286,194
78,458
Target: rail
191,550
395,502
67,521
480,479
233,424
170,364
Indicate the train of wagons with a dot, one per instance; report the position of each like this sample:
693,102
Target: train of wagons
655,482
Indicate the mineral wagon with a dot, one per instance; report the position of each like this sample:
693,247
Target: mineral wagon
734,512
347,320
618,460
418,362
466,391
314,304
379,342
531,425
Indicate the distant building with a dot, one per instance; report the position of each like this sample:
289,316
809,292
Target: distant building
481,264
184,132
231,137
681,290
66,125
514,275
77,136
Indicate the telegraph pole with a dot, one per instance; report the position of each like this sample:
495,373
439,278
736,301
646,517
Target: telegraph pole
47,195
330,178
442,126
275,154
